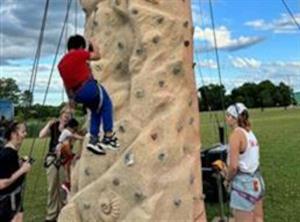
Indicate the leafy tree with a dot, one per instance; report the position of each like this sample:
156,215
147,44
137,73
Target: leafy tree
284,95
9,90
26,98
211,97
266,93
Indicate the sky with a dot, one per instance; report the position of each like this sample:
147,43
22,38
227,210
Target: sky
256,40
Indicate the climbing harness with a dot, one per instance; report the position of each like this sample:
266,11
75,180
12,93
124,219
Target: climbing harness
52,159
257,186
11,196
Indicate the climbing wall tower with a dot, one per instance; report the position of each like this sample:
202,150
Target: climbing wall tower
147,68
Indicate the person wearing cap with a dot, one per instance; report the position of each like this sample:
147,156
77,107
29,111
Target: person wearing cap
246,183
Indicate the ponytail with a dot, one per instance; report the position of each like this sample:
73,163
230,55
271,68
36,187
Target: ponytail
243,120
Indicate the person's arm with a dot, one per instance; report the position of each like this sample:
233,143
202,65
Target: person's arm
77,136
94,50
58,149
46,130
235,144
26,166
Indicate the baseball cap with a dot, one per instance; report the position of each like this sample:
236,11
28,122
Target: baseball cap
236,109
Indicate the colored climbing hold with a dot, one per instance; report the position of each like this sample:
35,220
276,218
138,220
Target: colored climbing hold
156,39
177,202
186,43
98,68
177,68
191,102
179,127
140,93
86,206
192,179
161,156
139,196
186,24
160,19
139,51
194,65
129,159
87,171
154,136
135,11
120,45
191,120
119,66
122,129
116,182
95,23
161,83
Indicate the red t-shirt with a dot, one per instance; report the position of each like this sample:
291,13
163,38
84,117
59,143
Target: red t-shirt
74,69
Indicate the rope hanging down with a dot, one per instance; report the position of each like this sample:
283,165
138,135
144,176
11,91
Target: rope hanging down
76,15
291,13
218,62
217,53
52,69
38,51
47,89
57,51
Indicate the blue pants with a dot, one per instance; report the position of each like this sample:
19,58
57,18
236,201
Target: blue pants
95,98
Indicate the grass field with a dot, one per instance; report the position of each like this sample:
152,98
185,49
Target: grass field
278,132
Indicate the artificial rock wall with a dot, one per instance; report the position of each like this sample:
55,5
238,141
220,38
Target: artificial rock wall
146,66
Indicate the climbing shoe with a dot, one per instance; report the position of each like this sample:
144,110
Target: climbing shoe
110,142
95,147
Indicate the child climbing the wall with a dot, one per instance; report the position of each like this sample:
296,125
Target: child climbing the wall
81,87
64,149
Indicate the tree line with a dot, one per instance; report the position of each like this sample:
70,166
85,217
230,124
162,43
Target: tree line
261,95
22,100
10,90
211,97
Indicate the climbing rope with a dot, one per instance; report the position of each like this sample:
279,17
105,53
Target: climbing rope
38,51
57,51
218,64
52,68
47,90
291,13
76,15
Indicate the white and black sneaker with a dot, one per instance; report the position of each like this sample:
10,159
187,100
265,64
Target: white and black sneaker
95,147
110,142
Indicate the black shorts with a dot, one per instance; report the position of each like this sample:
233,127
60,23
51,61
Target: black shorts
6,211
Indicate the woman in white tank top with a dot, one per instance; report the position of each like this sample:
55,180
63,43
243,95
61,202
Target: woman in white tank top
247,186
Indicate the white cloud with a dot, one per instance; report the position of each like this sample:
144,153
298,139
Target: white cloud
22,75
276,71
254,70
211,64
19,30
223,38
284,24
239,62
256,23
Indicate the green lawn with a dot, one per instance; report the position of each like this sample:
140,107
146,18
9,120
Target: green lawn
278,132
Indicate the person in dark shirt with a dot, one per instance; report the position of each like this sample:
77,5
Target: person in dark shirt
12,174
53,170
3,125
